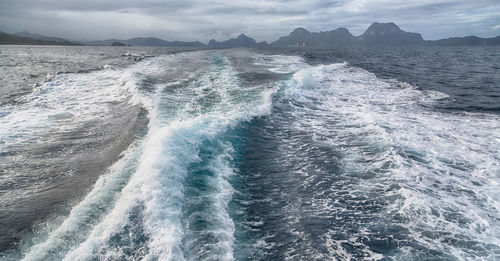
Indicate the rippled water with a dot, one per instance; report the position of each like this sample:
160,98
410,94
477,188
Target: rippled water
236,154
469,75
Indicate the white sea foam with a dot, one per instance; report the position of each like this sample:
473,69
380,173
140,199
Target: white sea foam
75,228
60,105
156,187
447,164
281,63
65,102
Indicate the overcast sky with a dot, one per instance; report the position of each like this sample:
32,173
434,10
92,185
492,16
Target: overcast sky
260,19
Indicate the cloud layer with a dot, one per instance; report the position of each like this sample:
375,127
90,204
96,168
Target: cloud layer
261,19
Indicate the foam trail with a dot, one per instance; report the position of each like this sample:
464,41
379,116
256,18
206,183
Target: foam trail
67,100
344,165
151,204
443,165
75,228
53,242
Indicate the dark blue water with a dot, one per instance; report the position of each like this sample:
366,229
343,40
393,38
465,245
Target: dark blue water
470,75
376,154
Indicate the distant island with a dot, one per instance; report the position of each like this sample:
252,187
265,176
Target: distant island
118,44
142,41
26,38
377,34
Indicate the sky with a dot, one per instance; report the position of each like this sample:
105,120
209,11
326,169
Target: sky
261,19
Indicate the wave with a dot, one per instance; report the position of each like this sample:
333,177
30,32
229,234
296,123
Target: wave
167,197
67,101
272,160
59,122
427,178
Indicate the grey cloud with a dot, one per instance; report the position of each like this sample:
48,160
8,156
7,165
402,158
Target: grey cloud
261,19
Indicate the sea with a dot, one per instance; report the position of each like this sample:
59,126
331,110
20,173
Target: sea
148,153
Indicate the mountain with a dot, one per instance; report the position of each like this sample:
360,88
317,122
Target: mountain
118,44
468,40
146,41
301,37
262,44
377,34
181,43
390,34
151,41
6,38
42,37
240,41
102,42
143,41
337,37
297,38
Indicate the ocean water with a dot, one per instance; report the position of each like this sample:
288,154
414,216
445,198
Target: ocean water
184,154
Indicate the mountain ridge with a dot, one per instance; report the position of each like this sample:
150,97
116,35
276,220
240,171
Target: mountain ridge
377,34
26,34
6,38
241,41
390,34
142,41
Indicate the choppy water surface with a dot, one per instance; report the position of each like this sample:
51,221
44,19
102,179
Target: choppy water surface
241,155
